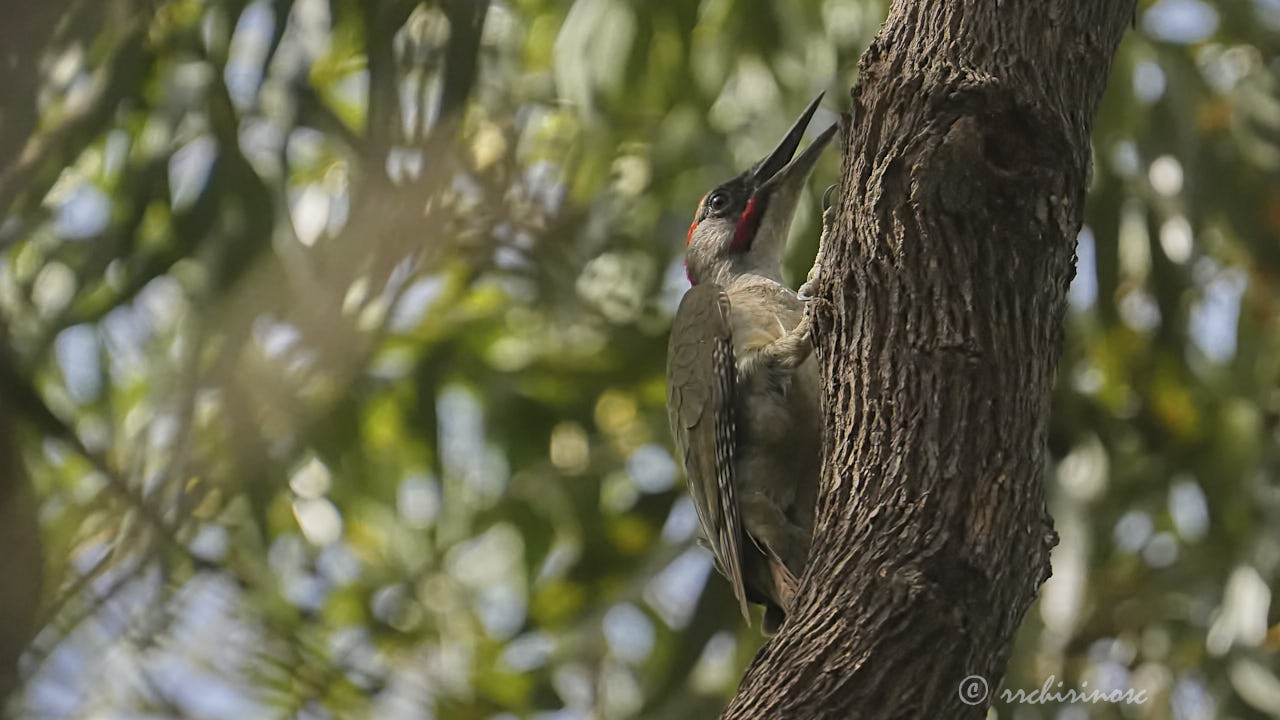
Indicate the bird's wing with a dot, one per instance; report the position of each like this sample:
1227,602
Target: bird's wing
701,380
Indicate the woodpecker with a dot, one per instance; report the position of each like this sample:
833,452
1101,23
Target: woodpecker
742,387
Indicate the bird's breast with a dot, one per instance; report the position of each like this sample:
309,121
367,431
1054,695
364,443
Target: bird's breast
761,313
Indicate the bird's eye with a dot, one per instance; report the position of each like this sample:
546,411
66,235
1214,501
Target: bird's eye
718,202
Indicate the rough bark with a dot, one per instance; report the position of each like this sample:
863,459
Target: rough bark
966,161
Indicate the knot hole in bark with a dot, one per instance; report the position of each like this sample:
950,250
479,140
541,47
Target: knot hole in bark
955,590
1004,152
1008,142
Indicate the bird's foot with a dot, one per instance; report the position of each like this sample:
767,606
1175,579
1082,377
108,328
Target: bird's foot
808,291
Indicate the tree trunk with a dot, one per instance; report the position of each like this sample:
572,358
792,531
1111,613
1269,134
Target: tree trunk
966,160
22,560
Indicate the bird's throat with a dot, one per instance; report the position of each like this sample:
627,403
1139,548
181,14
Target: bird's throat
749,223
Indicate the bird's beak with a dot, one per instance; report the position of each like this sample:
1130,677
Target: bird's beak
779,167
778,180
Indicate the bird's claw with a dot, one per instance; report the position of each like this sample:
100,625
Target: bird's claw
807,291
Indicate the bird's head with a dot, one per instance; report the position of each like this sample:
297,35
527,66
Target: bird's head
741,226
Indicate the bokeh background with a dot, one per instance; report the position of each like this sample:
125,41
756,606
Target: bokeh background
334,332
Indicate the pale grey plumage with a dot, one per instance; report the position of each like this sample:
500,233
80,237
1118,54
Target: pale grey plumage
742,388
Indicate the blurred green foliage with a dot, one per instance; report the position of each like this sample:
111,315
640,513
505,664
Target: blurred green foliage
335,330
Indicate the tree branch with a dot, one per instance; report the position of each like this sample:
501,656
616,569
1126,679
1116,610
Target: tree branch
462,58
22,563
